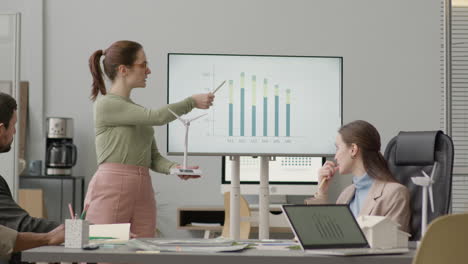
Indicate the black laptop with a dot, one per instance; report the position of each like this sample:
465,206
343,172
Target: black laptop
330,229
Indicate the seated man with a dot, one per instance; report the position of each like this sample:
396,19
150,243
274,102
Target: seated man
12,241
15,217
11,214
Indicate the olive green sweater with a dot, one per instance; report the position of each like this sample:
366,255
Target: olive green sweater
124,132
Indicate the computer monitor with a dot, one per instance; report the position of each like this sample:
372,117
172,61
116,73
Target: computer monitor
287,175
268,106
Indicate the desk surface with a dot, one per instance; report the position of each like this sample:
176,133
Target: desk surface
123,254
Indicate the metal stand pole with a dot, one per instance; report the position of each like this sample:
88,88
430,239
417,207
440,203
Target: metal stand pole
235,198
264,200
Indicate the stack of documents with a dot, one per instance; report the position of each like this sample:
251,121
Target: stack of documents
195,245
109,233
273,244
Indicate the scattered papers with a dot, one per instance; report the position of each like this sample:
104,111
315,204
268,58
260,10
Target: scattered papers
109,233
192,242
271,244
202,245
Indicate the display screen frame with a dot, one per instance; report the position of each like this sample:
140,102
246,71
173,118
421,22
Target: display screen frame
170,150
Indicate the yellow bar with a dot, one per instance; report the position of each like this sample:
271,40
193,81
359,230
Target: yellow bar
265,87
276,90
242,80
288,96
231,91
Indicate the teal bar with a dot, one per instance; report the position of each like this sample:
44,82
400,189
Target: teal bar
254,120
231,108
288,112
276,116
242,112
265,116
231,117
288,120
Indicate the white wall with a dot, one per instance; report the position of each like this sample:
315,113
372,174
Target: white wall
32,71
31,67
390,48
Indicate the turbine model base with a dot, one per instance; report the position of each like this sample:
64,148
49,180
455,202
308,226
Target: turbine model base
180,171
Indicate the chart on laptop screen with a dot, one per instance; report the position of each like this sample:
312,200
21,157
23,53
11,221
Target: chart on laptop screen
319,226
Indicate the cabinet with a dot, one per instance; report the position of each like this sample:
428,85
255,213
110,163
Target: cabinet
59,191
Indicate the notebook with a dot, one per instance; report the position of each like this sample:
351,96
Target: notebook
330,229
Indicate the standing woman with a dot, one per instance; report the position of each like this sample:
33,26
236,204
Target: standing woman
374,190
121,190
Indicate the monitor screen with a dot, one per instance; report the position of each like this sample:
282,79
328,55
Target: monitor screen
287,175
268,105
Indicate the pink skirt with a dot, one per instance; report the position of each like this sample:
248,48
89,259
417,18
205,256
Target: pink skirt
120,193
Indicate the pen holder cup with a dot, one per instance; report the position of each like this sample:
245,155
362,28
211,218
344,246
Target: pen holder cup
76,233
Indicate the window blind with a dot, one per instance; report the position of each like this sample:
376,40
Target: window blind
459,108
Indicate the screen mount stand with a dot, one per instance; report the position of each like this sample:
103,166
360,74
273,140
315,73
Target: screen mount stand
234,231
264,199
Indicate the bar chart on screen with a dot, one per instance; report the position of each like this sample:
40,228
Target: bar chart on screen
267,104
251,110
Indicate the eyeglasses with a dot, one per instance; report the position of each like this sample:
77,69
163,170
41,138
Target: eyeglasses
143,65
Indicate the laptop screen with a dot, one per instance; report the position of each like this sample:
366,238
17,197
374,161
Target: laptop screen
325,226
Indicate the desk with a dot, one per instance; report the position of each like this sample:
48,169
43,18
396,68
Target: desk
215,215
123,254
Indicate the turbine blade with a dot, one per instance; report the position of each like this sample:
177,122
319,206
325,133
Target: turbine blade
195,118
425,174
431,198
434,169
178,117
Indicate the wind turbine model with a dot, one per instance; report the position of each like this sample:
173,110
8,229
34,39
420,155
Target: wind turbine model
426,182
184,170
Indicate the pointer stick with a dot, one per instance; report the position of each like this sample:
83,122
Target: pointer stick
215,90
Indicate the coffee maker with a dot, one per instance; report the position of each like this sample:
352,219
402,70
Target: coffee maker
60,151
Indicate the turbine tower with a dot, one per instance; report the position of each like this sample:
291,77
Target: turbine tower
184,170
426,182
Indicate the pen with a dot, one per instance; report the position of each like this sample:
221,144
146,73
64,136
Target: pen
72,215
278,244
322,182
98,237
83,214
147,252
215,90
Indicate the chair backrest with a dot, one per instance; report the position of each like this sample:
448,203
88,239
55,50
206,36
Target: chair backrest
409,153
445,241
245,214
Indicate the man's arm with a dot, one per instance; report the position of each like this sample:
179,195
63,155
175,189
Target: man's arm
29,240
7,240
15,217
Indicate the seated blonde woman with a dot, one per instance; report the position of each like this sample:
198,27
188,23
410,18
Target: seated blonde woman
374,190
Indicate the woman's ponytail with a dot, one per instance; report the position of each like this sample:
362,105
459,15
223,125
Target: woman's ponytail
122,52
96,72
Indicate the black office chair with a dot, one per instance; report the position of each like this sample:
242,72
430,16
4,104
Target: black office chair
409,153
